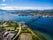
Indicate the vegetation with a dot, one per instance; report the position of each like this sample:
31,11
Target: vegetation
10,25
34,38
0,29
13,25
24,30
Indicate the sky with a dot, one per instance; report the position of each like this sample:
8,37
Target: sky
26,4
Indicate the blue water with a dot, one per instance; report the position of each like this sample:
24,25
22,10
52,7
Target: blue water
36,23
43,24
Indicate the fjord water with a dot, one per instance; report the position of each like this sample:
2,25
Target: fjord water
41,25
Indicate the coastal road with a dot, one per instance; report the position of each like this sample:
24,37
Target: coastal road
18,32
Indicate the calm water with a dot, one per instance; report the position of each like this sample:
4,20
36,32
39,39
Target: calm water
44,25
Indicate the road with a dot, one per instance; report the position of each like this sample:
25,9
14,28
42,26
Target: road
18,31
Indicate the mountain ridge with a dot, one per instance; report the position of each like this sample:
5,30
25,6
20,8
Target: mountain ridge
50,10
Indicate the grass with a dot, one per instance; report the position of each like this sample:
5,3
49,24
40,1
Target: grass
34,38
24,30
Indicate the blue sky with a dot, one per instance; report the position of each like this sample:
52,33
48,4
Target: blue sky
28,3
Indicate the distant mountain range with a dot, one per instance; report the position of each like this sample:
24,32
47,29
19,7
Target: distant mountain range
51,10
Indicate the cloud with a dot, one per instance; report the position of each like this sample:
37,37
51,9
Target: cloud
3,4
21,8
15,8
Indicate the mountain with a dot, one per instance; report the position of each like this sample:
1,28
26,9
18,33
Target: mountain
50,10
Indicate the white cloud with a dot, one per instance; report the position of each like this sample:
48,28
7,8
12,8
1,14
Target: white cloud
3,4
15,8
21,8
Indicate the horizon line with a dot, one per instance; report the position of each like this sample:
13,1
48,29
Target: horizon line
23,8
